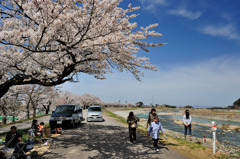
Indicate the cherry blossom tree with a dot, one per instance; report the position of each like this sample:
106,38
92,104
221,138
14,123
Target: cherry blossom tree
49,42
88,100
38,98
10,104
71,98
48,98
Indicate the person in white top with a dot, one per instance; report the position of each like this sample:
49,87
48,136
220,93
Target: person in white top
187,124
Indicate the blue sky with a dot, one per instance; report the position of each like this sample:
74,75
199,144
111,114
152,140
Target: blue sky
200,64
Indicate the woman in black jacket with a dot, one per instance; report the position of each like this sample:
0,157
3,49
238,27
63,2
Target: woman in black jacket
132,120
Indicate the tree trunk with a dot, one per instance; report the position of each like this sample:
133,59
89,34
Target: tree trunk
46,111
4,89
34,108
13,120
4,119
48,107
28,112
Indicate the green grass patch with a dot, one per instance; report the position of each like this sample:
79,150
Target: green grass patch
191,145
21,121
111,114
24,133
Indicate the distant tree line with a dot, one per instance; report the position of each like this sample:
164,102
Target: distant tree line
26,101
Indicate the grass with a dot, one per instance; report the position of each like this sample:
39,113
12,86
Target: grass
21,121
24,132
124,108
116,117
190,149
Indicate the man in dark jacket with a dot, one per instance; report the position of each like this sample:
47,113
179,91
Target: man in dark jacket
13,137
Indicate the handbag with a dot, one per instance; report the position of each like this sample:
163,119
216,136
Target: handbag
134,125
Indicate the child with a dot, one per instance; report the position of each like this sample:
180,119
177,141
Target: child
153,130
40,127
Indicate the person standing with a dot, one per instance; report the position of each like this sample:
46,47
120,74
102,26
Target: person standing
153,130
132,126
151,116
187,124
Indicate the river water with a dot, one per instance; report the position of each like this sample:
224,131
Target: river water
230,137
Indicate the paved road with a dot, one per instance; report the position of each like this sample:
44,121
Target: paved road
102,140
26,124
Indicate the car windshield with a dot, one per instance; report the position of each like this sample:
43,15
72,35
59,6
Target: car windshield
95,109
65,109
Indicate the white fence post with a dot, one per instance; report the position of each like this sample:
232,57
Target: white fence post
214,136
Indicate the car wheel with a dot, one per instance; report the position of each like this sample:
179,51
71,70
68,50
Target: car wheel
80,121
28,157
14,157
34,153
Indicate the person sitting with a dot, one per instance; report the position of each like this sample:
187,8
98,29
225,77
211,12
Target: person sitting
13,137
40,128
34,127
11,140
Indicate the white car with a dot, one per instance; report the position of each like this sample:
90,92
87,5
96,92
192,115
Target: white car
94,113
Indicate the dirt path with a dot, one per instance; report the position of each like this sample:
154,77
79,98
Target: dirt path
101,140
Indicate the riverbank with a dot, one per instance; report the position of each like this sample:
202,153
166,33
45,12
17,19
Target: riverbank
233,151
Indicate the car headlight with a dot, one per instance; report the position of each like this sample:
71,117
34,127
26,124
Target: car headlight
51,118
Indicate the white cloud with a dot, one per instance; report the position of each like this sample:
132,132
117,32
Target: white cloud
185,13
214,82
151,5
227,31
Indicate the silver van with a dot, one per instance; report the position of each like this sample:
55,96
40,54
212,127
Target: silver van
94,113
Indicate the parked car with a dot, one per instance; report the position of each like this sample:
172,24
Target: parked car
94,113
66,115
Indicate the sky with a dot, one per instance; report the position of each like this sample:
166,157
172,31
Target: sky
199,65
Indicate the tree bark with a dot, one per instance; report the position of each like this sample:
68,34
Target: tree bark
4,119
27,107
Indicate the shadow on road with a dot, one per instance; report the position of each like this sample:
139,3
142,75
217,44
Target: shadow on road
107,141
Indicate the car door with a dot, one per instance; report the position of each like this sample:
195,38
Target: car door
80,113
78,118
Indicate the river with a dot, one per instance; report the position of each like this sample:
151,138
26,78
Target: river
230,137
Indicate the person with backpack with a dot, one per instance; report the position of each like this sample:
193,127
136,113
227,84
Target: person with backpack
187,124
132,126
151,116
